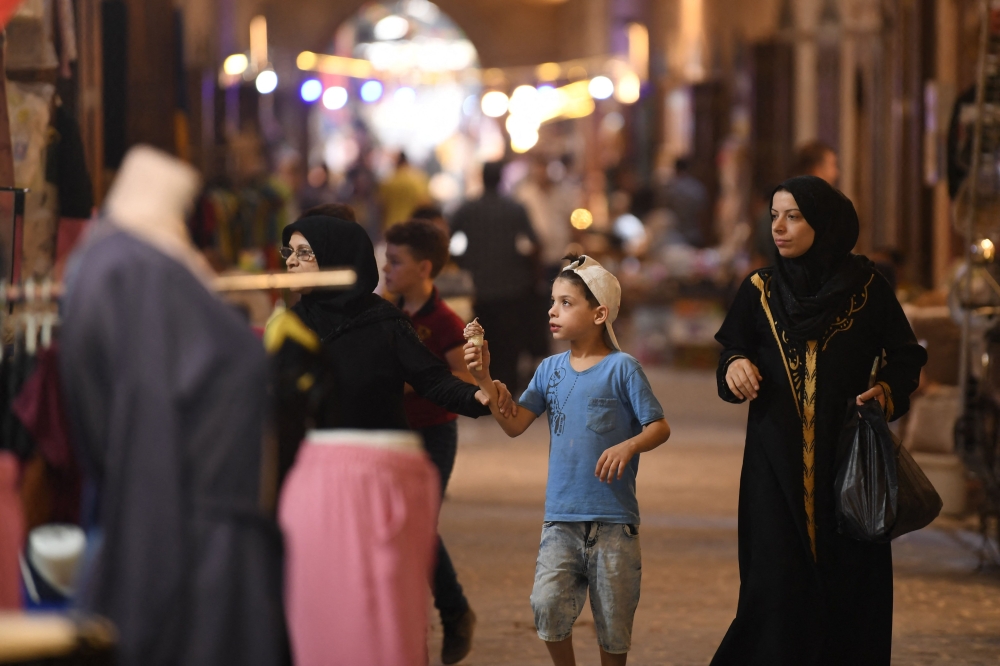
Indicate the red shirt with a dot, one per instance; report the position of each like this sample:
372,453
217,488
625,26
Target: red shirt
441,330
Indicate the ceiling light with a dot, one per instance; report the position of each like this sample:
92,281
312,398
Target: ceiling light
601,87
267,81
335,98
391,27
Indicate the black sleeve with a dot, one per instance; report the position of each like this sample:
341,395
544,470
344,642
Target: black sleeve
903,354
738,335
431,377
524,224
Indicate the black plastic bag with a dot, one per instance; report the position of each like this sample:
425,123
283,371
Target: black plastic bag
880,492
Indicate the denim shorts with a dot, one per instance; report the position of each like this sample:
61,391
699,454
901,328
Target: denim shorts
574,558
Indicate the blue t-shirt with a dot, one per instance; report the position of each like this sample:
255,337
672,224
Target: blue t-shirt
589,412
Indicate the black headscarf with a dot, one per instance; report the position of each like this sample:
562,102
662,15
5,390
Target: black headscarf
338,244
812,289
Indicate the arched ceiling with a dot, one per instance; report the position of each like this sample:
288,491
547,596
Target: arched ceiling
505,32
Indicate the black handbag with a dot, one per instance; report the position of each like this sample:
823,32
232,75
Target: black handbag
880,492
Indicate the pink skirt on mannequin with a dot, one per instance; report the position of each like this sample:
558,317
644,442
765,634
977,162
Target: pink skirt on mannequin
359,514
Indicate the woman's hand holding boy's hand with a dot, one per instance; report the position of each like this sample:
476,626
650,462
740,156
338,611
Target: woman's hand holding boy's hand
614,460
505,401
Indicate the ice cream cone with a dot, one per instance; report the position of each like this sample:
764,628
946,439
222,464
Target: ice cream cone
475,334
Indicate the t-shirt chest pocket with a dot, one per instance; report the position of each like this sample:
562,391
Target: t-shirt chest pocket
601,414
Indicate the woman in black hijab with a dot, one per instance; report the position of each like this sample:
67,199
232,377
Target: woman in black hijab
368,347
327,242
799,342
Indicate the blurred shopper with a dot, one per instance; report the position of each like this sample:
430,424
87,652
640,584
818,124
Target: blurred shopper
317,190
812,159
500,256
453,282
818,159
602,415
359,506
165,389
434,215
402,192
687,198
799,342
360,191
549,210
416,251
336,210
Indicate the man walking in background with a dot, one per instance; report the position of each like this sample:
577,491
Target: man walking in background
501,255
402,192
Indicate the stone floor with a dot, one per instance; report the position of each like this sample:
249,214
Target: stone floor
946,611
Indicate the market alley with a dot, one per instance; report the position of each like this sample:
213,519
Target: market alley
945,611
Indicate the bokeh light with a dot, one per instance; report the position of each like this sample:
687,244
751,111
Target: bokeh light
459,244
601,87
495,104
391,27
335,98
469,105
235,64
581,218
371,91
404,95
548,71
267,81
523,141
311,90
629,88
523,101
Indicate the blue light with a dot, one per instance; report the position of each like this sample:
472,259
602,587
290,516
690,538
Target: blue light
371,91
311,90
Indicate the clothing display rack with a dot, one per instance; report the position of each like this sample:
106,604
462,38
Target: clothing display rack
31,291
975,297
329,279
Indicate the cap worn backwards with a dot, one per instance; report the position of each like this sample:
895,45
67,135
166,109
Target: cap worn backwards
604,286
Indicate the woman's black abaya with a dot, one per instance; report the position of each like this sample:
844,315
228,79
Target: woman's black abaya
813,326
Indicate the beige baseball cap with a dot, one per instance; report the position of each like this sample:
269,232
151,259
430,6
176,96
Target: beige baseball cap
604,286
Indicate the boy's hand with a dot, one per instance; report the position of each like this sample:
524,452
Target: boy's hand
613,461
478,360
505,401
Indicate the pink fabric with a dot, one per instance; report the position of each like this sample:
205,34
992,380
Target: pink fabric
360,528
11,532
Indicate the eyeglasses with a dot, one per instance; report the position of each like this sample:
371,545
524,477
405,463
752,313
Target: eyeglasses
302,253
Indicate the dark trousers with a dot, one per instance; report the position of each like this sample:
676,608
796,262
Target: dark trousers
441,443
512,326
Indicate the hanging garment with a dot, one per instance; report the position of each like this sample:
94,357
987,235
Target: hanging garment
11,532
165,390
39,407
66,166
15,368
360,551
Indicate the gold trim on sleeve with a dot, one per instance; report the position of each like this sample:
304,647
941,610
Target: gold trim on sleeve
890,408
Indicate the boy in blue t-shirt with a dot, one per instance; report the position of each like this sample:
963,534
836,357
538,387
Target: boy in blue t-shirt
602,415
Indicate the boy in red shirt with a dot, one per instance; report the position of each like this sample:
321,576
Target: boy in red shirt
415,253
